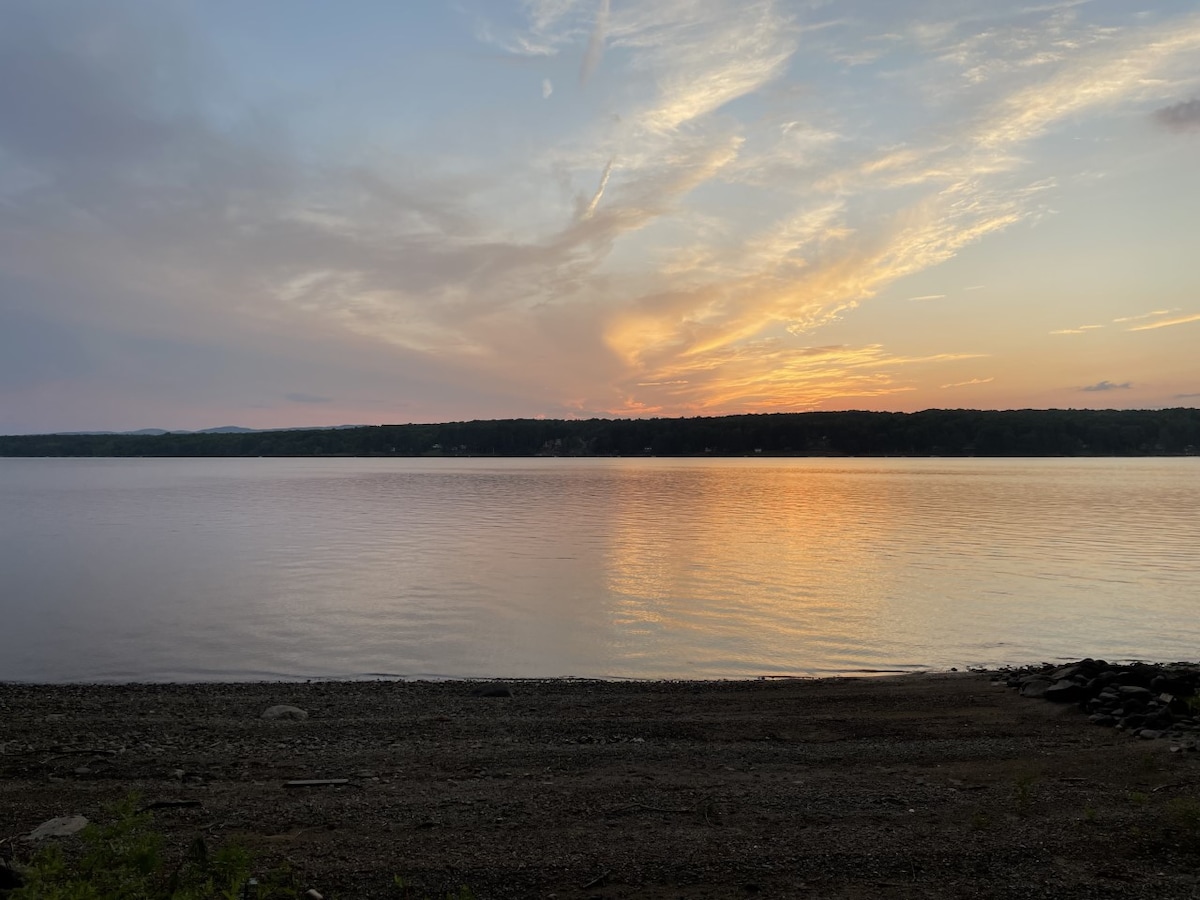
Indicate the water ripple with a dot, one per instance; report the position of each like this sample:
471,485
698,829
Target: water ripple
245,569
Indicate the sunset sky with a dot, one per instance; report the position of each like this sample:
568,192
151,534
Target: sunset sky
295,212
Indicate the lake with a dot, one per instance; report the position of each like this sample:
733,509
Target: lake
235,569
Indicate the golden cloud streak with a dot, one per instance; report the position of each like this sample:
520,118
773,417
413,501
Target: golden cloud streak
969,383
1166,323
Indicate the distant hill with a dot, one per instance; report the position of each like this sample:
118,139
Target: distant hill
933,432
221,429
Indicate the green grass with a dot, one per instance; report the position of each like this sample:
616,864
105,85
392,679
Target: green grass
126,860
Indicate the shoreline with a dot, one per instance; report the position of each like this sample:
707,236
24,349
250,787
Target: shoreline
998,671
504,679
911,785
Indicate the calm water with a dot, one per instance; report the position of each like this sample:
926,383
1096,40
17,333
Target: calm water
251,569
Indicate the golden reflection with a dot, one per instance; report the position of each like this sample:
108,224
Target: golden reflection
752,559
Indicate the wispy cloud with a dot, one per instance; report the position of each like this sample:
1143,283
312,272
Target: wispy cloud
1150,315
702,55
1082,329
590,210
674,238
973,381
595,45
1102,386
1166,323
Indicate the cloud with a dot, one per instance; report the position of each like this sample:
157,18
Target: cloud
1082,329
590,210
1180,117
744,202
1101,386
1191,396
973,381
547,88
1150,315
595,45
702,55
1166,323
928,297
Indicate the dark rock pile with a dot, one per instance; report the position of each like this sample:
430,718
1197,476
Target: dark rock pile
1147,700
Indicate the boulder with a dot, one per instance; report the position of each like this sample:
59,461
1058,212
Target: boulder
1063,691
1177,705
63,826
1036,687
1134,691
1085,668
1139,676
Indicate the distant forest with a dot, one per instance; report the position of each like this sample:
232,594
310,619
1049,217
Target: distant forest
936,432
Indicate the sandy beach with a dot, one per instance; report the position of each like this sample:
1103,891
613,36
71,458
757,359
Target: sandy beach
939,785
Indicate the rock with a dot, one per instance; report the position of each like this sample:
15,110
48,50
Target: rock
1176,683
284,711
1176,705
1141,698
1063,691
313,894
63,826
1035,687
1086,668
1138,677
1134,692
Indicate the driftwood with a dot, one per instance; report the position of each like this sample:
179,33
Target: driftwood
595,882
316,782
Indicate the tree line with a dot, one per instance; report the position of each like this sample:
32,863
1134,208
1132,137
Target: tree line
935,432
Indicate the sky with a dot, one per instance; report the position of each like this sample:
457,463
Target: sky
286,213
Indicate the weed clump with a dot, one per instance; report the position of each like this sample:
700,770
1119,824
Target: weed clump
124,860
